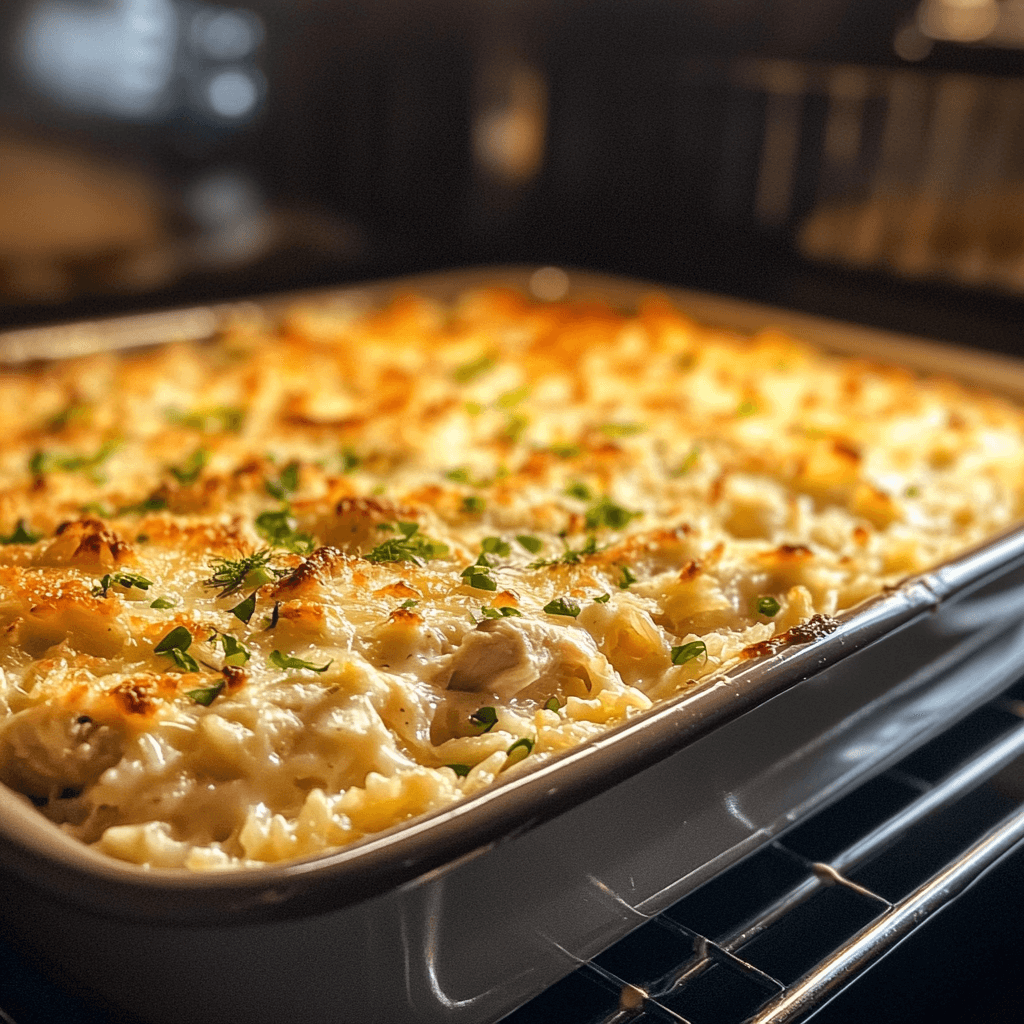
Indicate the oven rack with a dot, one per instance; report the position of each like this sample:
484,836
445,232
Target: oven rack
773,939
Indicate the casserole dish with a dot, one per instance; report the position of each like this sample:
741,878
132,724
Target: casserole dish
465,913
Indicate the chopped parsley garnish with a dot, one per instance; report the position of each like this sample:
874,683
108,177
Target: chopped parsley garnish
606,513
462,770
622,429
484,719
176,645
218,420
579,491
459,475
532,544
689,462
279,530
478,575
747,408
466,372
565,451
626,579
603,599
687,652
188,472
252,570
154,503
571,556
505,612
510,399
287,661
244,609
21,535
206,695
473,504
163,602
67,415
127,580
234,653
552,704
410,602
286,483
515,427
50,462
412,546
349,460
562,606
767,606
520,749
495,546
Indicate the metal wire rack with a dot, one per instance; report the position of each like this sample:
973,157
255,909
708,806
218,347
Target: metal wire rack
773,939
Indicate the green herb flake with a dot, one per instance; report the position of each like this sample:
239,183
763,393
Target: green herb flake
21,535
412,546
188,472
747,408
49,462
459,475
566,451
409,603
478,576
462,770
252,570
767,606
515,427
473,504
183,660
280,660
531,544
504,612
154,503
279,530
484,719
603,599
580,491
562,606
510,399
69,414
518,751
244,609
286,483
622,429
218,420
205,695
688,462
234,653
626,578
127,580
606,513
552,704
162,603
179,639
495,546
467,372
349,461
687,652
571,556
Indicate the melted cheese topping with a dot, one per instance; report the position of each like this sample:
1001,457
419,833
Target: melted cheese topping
264,596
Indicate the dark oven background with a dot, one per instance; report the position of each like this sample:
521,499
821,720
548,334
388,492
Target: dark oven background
862,159
859,158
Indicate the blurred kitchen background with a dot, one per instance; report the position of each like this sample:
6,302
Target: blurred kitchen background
858,158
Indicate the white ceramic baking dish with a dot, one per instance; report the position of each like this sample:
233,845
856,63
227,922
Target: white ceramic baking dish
466,913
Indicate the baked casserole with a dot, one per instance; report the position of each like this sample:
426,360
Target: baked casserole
269,594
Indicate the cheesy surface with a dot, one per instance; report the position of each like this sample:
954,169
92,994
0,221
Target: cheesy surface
266,595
